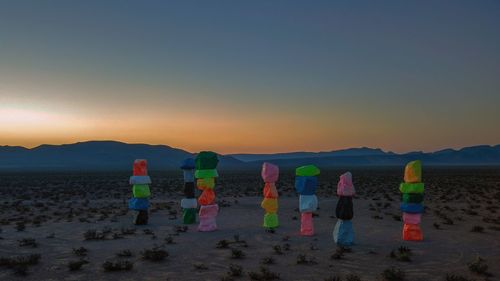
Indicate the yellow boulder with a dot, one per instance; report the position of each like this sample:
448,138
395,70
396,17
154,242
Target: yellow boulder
413,172
270,205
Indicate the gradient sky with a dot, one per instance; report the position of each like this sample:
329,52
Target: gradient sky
251,76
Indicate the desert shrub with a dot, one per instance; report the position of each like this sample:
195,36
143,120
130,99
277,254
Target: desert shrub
401,254
200,266
124,253
76,265
304,259
20,226
477,228
447,220
31,259
222,244
393,274
169,239
237,254
154,254
453,277
93,234
110,265
27,242
267,260
20,264
277,250
494,227
264,274
128,231
352,277
181,228
81,252
235,270
339,253
479,266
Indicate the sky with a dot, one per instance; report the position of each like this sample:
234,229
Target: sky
251,76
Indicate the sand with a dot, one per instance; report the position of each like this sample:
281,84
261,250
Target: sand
446,249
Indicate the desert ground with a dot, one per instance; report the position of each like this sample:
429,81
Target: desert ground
75,226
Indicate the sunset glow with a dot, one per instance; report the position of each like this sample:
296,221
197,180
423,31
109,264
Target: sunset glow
164,73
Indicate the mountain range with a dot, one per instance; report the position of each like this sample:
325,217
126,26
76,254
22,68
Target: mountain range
112,155
363,151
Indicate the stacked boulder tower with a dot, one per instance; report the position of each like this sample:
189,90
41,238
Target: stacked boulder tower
188,203
139,203
343,233
206,172
306,182
270,174
412,190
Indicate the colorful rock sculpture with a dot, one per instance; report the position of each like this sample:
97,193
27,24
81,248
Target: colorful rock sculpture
189,203
412,190
139,203
343,233
306,183
206,172
270,174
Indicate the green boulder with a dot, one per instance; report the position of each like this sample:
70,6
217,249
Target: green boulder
141,190
411,187
206,160
412,197
205,174
189,215
307,171
271,220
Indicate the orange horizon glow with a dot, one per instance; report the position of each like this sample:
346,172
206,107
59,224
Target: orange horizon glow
227,127
221,133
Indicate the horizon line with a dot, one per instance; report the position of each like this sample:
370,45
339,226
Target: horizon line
250,153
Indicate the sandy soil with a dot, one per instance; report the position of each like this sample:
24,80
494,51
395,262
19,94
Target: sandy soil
449,244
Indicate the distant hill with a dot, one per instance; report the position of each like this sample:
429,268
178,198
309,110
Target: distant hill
364,151
475,155
112,155
95,155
